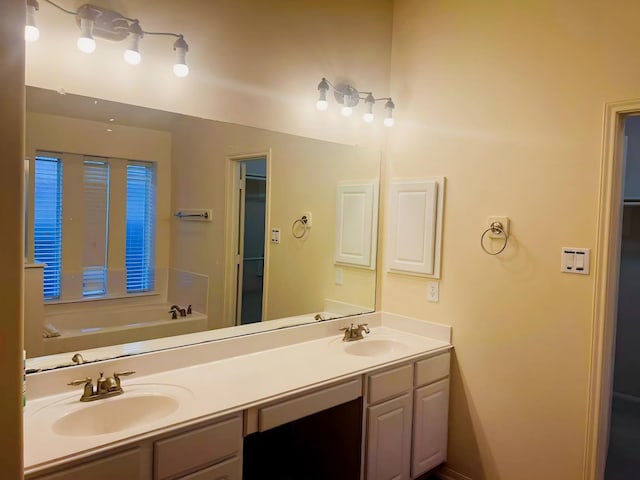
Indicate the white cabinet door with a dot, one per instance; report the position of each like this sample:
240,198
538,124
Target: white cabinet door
431,411
389,440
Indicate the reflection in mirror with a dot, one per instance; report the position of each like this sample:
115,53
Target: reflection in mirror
141,216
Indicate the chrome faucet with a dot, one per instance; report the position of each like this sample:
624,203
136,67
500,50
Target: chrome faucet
352,333
105,387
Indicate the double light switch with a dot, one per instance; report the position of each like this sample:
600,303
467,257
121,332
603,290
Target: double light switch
575,260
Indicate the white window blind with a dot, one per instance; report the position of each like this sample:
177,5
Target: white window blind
140,227
48,221
96,221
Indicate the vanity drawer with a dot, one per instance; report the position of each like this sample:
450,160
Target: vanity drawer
296,408
387,384
431,369
228,470
127,465
197,448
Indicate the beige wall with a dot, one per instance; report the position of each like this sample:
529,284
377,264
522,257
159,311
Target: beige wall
11,242
303,174
252,62
84,137
506,100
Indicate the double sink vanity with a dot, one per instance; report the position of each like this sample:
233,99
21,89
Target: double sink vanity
298,402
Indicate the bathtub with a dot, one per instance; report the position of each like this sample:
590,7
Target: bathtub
99,327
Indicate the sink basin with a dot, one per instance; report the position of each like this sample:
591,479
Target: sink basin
140,405
115,414
369,347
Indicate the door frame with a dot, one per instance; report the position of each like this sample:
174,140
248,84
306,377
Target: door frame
232,232
605,299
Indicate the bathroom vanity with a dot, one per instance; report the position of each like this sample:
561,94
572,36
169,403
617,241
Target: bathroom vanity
374,409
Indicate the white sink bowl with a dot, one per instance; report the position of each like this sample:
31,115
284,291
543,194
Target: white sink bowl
370,347
139,406
115,414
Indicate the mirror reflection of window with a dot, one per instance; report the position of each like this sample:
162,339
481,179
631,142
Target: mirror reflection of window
72,202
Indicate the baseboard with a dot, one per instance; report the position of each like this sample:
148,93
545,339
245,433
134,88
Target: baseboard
446,473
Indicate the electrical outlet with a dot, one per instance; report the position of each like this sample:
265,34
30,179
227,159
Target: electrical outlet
275,235
433,291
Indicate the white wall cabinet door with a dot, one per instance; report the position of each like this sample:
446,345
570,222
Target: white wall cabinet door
389,440
414,227
356,224
431,412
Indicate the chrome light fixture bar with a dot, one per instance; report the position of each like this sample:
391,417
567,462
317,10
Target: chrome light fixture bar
348,97
99,22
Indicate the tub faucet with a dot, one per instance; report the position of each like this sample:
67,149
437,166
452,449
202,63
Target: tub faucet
177,309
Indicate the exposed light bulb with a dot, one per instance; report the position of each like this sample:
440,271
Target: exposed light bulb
322,103
369,103
346,110
388,107
132,54
180,68
132,57
31,32
86,43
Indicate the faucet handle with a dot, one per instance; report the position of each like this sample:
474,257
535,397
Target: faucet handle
80,381
123,374
347,329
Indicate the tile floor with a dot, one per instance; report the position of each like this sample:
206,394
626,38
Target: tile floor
623,459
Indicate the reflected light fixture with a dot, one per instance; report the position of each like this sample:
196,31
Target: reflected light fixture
348,97
132,54
322,103
97,22
31,32
86,43
180,68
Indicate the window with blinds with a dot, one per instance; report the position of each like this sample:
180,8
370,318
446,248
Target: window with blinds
140,234
96,226
84,188
47,222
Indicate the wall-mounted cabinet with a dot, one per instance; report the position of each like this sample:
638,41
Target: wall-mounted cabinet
356,224
414,226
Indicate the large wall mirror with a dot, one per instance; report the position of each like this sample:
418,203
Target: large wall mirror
242,224
146,191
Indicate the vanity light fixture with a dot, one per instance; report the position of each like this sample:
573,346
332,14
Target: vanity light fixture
348,97
100,22
31,32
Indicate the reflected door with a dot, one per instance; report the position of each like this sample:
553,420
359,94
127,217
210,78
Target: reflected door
251,239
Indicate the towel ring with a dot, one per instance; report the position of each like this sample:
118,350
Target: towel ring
303,223
497,229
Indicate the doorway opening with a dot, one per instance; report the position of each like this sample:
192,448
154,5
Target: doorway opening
249,220
602,460
624,426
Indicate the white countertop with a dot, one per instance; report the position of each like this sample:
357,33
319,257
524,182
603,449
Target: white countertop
223,386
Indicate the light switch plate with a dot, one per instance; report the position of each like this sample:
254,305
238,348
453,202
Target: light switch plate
575,260
339,280
275,235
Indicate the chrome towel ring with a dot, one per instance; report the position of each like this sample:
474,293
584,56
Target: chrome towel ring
303,223
496,228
